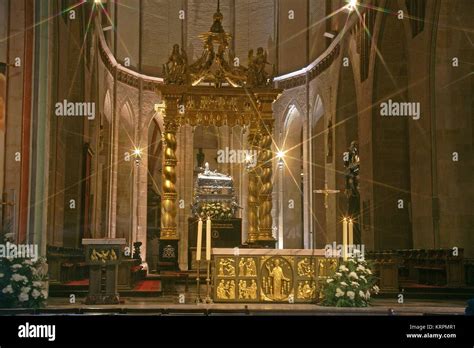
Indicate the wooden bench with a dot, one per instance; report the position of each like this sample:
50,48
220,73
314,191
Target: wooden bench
431,275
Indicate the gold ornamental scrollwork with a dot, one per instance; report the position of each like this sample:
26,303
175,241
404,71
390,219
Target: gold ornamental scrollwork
169,208
217,64
104,255
266,183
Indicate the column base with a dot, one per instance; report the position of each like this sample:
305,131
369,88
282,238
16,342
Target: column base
262,244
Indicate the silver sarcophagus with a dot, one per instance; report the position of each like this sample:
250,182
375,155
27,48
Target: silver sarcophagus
214,195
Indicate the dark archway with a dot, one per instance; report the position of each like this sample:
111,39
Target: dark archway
155,150
391,162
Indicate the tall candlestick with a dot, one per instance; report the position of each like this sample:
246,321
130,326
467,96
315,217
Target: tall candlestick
199,241
351,232
344,239
351,236
208,239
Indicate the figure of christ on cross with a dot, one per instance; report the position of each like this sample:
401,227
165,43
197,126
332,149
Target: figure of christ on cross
326,191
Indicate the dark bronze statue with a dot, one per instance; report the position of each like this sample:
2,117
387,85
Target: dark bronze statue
175,69
200,158
352,165
352,170
257,76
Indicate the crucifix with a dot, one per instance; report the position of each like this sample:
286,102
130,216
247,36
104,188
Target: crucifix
326,191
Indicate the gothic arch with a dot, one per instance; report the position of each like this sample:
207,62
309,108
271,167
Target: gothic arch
291,179
126,112
317,172
407,29
292,105
317,109
104,164
125,145
108,106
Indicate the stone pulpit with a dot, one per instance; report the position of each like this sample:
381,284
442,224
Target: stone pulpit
103,257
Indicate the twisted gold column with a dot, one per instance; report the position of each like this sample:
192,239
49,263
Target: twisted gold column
168,206
252,198
264,163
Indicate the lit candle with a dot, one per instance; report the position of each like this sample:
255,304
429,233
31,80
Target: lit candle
208,239
199,241
344,239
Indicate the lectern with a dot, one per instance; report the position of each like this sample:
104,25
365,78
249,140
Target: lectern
103,257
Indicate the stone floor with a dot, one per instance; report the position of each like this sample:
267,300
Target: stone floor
170,305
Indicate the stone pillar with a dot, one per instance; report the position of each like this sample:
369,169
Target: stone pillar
265,166
252,198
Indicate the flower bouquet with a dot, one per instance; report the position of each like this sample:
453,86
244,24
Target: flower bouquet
23,283
352,285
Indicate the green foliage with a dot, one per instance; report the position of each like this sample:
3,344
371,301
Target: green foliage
352,285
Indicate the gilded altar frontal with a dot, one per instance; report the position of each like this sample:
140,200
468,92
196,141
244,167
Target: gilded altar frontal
259,276
237,158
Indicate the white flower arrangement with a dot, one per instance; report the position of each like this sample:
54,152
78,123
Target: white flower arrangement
8,289
23,283
16,267
35,293
23,297
353,275
343,268
351,286
18,278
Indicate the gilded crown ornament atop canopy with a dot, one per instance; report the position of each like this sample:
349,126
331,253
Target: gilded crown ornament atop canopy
217,66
